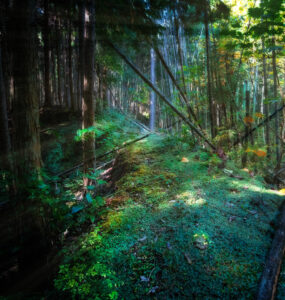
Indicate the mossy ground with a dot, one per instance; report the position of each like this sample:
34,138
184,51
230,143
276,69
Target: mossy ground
177,228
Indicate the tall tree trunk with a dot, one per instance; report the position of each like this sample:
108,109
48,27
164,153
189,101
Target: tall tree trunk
278,162
58,60
70,71
180,56
5,145
81,24
247,125
266,110
88,104
46,38
209,81
152,93
26,140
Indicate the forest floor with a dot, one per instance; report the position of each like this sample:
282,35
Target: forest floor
176,227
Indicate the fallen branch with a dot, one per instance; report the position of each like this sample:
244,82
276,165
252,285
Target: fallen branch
186,101
101,156
269,118
159,93
269,278
137,123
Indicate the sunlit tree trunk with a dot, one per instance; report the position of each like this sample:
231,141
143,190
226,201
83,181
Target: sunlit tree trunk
265,85
88,104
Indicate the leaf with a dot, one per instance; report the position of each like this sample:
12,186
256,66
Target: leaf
89,198
260,153
91,187
184,160
144,279
76,208
248,120
259,115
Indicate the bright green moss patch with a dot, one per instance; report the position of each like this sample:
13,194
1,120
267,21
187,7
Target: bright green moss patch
177,229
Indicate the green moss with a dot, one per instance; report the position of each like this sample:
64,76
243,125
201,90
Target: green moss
150,242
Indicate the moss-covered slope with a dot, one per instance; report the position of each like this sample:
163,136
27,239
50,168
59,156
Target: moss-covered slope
177,227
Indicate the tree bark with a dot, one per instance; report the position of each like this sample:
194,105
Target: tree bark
5,145
26,142
88,104
58,62
247,126
46,38
209,81
265,97
275,105
70,69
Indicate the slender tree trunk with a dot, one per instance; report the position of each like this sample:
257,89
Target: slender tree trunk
247,128
88,103
81,45
180,56
209,82
26,139
70,70
275,105
152,93
46,38
58,62
265,98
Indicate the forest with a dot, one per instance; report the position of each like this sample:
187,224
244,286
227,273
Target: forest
142,149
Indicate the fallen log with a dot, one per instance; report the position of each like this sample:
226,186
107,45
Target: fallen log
101,156
269,279
164,98
186,101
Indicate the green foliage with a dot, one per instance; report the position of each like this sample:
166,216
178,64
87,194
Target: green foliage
54,157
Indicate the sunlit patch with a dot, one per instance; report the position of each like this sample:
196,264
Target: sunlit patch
282,191
201,241
184,195
193,201
184,160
